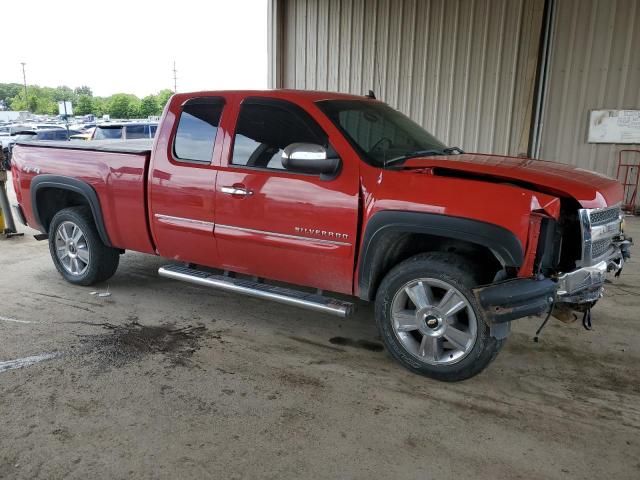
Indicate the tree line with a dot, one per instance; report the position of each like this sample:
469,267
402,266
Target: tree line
44,100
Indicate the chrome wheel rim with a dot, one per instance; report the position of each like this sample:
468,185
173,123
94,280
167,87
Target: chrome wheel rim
434,321
72,248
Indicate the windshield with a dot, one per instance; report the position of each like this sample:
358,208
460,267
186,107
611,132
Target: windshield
378,132
108,133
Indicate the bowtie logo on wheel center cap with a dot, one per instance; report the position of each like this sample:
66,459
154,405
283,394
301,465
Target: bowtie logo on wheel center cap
431,321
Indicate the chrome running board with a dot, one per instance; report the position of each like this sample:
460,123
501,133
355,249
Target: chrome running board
296,298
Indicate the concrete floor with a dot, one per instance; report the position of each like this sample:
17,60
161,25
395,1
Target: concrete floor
166,380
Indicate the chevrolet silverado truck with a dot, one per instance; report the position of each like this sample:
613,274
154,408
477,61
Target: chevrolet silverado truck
296,196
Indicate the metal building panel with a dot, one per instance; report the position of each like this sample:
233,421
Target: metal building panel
464,69
594,65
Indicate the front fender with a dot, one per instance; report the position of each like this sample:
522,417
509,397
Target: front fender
501,242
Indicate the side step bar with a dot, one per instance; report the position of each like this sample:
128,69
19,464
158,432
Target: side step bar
287,296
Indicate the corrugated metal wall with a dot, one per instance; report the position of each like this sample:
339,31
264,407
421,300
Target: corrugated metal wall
595,63
464,69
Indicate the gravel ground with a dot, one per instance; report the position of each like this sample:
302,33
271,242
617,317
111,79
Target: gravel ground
167,380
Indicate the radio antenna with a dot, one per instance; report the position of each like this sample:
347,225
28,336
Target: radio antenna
376,70
175,78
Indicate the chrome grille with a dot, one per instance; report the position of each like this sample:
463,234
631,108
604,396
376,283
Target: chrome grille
599,228
601,217
600,247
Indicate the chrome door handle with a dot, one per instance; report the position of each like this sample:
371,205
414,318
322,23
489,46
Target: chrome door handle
235,190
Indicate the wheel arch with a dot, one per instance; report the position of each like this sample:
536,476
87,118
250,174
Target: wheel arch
63,192
389,236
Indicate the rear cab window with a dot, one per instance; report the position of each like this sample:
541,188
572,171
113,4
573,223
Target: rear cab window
197,129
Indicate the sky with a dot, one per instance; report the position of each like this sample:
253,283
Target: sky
129,46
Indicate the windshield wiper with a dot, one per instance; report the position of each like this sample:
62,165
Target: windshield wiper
424,153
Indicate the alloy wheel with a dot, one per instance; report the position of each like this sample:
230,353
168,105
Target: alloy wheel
72,249
434,321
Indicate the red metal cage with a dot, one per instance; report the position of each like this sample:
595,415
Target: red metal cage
629,175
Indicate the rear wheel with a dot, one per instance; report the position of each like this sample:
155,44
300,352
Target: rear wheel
430,321
77,250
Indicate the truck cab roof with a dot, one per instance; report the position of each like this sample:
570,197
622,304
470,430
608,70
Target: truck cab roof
283,93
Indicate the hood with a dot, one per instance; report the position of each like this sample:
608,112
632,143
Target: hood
590,189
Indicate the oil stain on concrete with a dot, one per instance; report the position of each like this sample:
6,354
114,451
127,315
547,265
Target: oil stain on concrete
129,342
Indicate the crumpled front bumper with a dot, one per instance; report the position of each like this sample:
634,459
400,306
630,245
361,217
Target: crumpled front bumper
586,284
521,297
515,298
582,285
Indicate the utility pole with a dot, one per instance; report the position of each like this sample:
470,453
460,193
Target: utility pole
175,78
24,78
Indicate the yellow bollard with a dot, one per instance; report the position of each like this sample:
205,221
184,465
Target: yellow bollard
2,180
3,195
3,215
7,226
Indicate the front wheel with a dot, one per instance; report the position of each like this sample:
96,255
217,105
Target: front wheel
77,250
430,321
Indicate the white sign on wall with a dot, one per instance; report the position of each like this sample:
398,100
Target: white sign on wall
614,126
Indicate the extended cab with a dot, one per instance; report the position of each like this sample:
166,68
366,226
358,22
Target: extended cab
334,193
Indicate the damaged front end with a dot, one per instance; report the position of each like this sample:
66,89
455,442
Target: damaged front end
512,299
605,248
569,277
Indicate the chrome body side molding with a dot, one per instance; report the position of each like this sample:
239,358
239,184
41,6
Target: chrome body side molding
185,222
285,235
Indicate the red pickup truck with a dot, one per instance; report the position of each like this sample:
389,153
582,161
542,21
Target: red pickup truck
286,195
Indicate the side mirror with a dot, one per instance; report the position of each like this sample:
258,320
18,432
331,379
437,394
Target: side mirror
309,158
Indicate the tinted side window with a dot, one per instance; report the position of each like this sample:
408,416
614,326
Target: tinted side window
197,129
265,129
61,134
153,130
104,133
46,136
136,131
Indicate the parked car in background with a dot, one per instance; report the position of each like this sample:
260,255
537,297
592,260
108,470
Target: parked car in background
125,131
5,135
5,138
18,127
9,140
50,134
83,127
84,135
46,126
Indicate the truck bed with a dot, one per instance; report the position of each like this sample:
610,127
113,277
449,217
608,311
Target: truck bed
115,170
117,146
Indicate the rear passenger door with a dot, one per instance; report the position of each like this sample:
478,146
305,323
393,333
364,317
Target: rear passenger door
274,223
182,180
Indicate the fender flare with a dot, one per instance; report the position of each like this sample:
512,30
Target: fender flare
501,242
60,182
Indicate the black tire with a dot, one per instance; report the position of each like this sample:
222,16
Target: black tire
456,272
102,261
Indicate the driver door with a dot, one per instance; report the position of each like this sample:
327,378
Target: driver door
273,223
